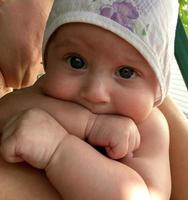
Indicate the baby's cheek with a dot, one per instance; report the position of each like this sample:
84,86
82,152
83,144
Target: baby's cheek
56,88
137,109
142,110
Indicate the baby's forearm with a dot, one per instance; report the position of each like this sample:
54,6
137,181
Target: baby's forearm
79,172
71,116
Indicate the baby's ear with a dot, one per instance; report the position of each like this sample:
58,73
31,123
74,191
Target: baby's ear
157,103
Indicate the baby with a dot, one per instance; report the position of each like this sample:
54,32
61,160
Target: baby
111,60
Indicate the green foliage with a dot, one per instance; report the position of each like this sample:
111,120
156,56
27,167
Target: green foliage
183,10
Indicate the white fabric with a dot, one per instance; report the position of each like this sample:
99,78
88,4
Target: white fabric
148,25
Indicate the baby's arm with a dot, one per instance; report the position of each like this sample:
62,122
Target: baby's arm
75,169
119,135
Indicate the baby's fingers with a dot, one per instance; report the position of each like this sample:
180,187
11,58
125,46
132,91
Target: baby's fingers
8,149
117,149
116,145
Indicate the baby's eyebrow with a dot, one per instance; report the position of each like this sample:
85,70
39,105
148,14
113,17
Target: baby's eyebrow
64,43
68,42
78,42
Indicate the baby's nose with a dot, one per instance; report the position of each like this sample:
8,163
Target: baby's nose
95,91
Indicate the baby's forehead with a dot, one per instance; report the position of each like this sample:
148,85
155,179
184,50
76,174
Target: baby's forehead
94,38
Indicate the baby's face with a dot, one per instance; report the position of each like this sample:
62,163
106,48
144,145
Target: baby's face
99,70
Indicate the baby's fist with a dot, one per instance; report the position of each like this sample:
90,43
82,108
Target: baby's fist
119,135
32,136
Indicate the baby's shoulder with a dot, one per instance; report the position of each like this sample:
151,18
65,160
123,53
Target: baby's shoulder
155,127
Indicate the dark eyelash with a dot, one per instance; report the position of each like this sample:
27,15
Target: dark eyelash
68,55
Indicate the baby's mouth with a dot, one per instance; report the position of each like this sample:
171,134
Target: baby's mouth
98,108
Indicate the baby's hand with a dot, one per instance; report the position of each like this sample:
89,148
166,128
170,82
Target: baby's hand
119,135
32,136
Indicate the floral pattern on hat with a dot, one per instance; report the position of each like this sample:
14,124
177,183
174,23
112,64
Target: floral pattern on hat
126,14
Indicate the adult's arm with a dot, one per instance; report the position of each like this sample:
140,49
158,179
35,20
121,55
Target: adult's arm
178,125
22,25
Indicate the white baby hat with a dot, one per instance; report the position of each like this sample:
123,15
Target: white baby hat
148,25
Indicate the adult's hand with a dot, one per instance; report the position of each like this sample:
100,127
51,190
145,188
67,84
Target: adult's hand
22,25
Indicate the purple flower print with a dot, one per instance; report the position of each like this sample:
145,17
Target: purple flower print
121,12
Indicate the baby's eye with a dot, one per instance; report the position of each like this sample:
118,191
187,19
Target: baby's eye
126,72
76,62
